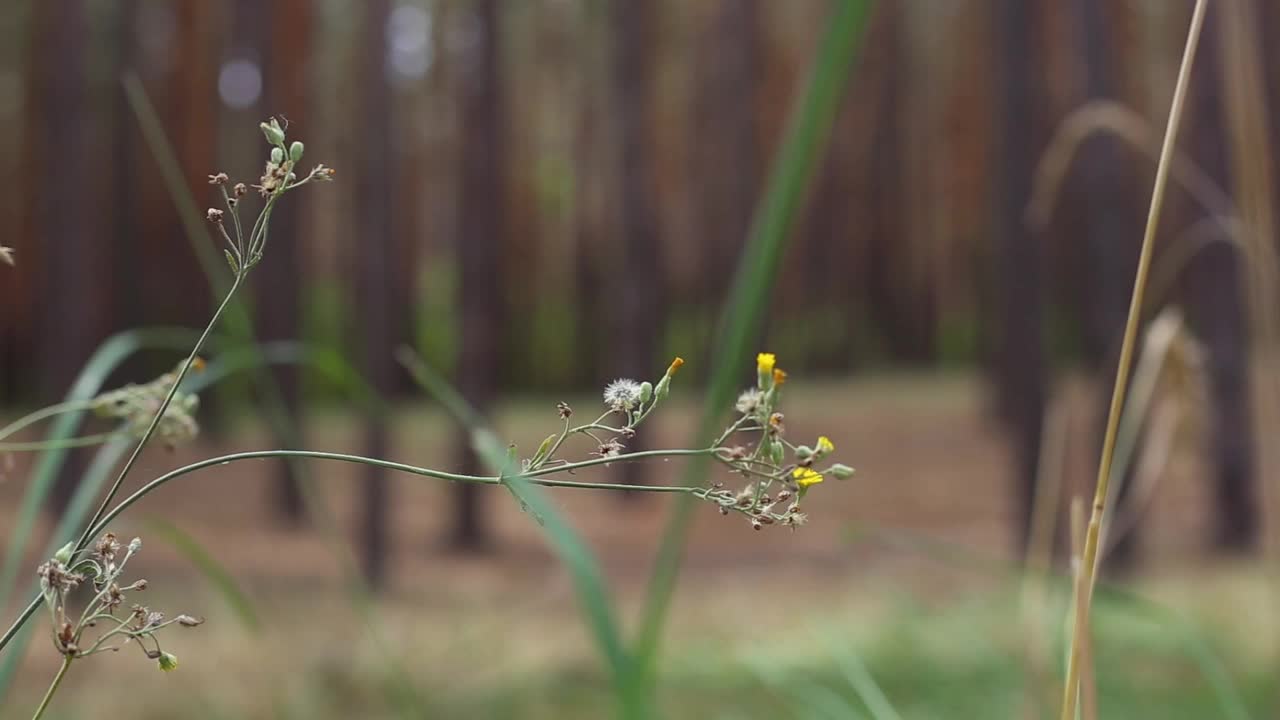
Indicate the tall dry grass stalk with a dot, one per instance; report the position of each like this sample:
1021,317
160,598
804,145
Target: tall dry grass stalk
1089,559
1251,154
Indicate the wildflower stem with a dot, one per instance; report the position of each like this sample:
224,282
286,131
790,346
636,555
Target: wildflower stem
43,413
155,421
1089,562
737,425
103,518
53,687
82,441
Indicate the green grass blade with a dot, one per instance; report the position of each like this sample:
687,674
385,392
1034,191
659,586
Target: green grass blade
794,169
859,678
202,246
89,383
589,585
213,571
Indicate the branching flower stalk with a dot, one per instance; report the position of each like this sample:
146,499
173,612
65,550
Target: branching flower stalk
242,252
1089,563
104,624
777,473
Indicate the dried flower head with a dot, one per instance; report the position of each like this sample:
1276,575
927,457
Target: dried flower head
214,215
622,394
219,179
136,405
610,449
6,255
106,548
55,577
563,409
749,401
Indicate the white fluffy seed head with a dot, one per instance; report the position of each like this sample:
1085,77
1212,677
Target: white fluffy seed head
622,394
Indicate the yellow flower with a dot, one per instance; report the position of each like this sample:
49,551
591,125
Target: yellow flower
779,376
825,445
675,365
765,362
805,477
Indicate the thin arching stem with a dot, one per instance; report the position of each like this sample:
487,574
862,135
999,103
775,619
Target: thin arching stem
537,477
43,413
53,688
40,445
164,406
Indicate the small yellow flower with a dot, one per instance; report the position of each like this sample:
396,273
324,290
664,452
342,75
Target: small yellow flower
806,477
675,365
779,376
825,445
765,362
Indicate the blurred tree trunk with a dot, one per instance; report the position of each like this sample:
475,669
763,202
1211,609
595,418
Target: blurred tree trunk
725,154
373,265
123,167
192,128
481,227
20,158
286,89
1268,30
901,303
1021,362
1103,206
1214,287
638,278
73,289
592,200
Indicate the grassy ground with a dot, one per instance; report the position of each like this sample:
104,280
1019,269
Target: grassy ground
901,584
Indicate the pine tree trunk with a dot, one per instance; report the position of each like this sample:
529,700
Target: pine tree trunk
481,227
638,277
373,261
1021,363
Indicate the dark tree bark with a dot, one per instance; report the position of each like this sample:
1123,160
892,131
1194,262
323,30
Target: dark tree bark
1021,360
1103,200
591,208
481,227
906,324
73,290
726,154
640,283
1214,295
286,89
373,264
192,112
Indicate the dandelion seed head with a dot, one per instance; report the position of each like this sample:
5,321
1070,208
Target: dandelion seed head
622,394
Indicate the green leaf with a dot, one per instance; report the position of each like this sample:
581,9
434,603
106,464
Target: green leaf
543,449
208,565
589,585
797,163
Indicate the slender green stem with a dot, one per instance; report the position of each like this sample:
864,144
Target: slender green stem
164,406
1088,569
537,477
737,425
43,413
559,441
75,442
53,688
